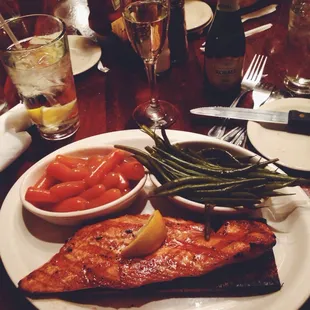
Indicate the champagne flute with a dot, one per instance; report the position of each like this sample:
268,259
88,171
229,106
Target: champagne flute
146,24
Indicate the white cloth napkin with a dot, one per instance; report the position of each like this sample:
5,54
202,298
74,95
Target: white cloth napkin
14,140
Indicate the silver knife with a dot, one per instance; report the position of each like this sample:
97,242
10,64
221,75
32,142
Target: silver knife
292,118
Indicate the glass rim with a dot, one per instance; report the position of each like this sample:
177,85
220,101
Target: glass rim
15,18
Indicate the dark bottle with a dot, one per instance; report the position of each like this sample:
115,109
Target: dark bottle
177,34
102,14
225,49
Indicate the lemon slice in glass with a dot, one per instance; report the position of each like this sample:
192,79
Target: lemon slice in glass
35,115
55,115
149,238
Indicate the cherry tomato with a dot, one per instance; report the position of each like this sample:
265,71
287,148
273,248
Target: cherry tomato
63,173
71,204
113,159
70,161
130,158
45,182
111,180
125,191
93,192
108,196
132,170
94,161
117,169
67,189
36,195
123,182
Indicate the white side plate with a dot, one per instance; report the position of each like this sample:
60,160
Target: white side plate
84,53
197,14
273,141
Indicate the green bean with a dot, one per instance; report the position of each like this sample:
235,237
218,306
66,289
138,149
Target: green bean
162,175
277,194
210,176
188,181
207,218
244,195
132,150
188,171
199,168
182,184
228,202
158,141
272,186
189,154
271,176
222,154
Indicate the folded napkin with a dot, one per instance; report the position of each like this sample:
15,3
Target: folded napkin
14,140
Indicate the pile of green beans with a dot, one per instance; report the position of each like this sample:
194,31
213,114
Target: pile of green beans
210,176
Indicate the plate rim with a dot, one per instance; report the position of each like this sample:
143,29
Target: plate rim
95,59
207,22
294,302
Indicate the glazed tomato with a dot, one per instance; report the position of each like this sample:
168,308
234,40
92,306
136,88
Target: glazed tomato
93,192
70,161
71,204
132,170
36,195
65,174
68,189
108,196
73,183
113,159
111,180
123,182
45,182
94,161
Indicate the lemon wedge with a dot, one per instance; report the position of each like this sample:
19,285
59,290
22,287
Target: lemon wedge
35,115
149,238
56,114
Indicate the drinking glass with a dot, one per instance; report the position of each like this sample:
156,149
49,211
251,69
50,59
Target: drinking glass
297,51
146,23
34,51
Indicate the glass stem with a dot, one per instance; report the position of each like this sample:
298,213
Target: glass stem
150,68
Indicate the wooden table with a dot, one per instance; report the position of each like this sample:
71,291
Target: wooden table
106,101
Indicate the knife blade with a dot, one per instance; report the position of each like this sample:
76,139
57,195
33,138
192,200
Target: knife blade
292,118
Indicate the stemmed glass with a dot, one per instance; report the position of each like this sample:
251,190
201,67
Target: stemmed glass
146,24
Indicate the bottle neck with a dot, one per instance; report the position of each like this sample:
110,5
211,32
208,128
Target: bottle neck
228,5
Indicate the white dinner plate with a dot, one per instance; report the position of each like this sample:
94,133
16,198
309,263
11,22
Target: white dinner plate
27,242
198,14
272,141
84,53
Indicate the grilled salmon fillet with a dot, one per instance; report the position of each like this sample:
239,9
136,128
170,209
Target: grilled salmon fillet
91,258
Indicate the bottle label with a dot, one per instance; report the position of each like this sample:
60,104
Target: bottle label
224,73
228,5
116,4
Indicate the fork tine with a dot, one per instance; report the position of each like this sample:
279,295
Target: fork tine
248,71
257,61
260,73
255,71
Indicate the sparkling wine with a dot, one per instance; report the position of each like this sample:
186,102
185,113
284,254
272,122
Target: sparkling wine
146,24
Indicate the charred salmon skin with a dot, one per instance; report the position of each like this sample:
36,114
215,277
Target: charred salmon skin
92,257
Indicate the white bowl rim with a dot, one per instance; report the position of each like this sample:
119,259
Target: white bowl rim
72,214
236,148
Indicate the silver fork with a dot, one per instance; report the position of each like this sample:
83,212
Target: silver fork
260,94
252,76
